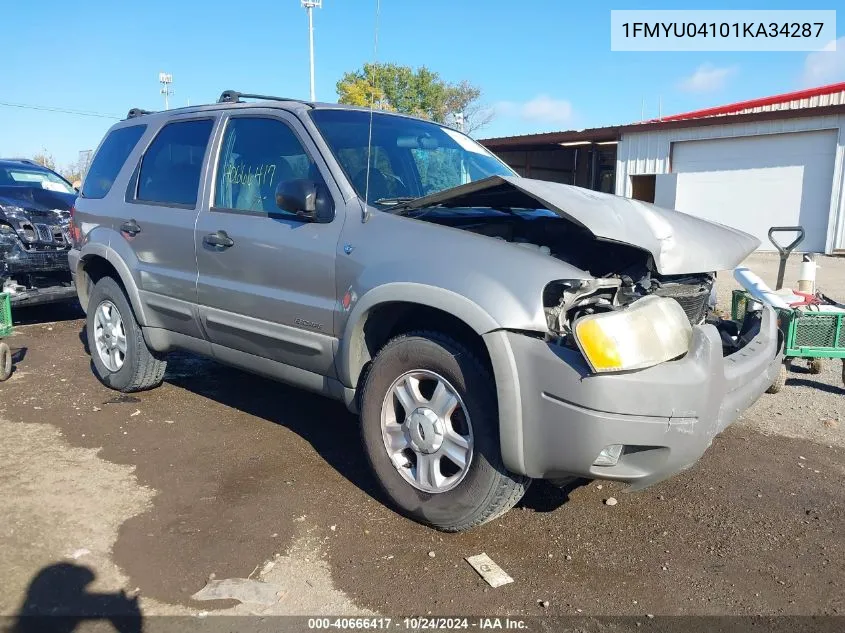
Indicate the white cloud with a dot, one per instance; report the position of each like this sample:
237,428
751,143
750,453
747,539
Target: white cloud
826,66
707,78
540,109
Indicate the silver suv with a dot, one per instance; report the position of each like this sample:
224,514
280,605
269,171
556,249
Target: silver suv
489,328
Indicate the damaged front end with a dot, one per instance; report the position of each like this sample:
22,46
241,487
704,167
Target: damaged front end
619,324
648,272
34,244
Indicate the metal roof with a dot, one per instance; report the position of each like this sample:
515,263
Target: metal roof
819,101
830,95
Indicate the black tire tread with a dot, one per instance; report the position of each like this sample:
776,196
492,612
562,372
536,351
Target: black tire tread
508,488
780,380
149,366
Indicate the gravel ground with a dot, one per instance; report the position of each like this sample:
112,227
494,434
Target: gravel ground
812,406
227,474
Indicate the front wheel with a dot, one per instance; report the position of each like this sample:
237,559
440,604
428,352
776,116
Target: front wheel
780,380
430,427
119,353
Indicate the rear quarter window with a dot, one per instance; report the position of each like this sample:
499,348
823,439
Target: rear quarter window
172,165
109,159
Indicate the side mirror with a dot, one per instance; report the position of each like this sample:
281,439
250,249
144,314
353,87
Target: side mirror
308,200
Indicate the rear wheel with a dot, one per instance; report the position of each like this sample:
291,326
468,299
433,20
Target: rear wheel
429,423
816,365
119,353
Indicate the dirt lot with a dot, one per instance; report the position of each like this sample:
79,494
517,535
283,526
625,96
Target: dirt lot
226,474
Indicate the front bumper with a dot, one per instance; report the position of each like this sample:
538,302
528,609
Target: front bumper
42,268
666,416
38,296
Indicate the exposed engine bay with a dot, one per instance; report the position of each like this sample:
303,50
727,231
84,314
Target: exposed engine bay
622,273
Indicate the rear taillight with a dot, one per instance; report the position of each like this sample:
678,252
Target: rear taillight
73,229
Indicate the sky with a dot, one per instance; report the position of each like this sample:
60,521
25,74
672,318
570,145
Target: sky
542,66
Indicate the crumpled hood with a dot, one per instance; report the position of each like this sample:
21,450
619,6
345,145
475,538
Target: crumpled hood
35,198
679,243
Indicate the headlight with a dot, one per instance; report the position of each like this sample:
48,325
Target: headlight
650,331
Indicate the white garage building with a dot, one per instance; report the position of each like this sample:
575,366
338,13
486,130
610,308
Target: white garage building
777,161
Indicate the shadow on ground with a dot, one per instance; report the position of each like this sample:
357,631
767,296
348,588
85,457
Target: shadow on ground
58,601
47,313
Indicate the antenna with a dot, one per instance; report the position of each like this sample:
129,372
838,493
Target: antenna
165,79
309,6
366,213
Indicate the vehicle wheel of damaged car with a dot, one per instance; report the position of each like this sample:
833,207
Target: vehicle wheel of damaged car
120,355
5,361
429,422
780,381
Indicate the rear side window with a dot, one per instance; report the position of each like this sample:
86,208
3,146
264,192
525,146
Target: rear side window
171,168
109,159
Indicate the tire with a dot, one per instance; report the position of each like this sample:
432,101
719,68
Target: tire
141,368
5,361
816,365
484,489
780,381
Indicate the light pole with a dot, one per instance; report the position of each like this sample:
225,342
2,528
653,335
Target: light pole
309,9
165,79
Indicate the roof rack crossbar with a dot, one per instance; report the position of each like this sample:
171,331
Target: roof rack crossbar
135,112
233,96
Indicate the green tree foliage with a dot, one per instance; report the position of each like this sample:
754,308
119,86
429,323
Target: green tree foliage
419,92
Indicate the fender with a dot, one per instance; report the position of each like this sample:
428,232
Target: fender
118,259
352,355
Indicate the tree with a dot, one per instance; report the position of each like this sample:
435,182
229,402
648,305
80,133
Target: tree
75,171
466,98
419,92
46,159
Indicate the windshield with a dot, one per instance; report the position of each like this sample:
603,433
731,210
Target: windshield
33,177
409,158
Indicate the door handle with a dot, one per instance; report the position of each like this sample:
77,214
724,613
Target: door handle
220,239
130,227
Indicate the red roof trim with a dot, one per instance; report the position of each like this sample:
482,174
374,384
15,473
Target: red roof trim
756,103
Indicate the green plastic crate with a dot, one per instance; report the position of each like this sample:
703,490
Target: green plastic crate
806,334
5,315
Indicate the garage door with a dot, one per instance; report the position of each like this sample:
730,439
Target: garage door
754,182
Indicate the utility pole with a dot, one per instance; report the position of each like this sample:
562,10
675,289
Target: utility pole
309,6
165,79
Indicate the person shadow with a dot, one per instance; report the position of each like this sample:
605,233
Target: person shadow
58,600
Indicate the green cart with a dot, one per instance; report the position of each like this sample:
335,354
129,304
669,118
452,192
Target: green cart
812,335
5,330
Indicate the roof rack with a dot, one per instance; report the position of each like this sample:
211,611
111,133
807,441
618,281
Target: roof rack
137,112
233,96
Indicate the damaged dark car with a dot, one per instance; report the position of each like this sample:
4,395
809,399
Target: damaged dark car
35,204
